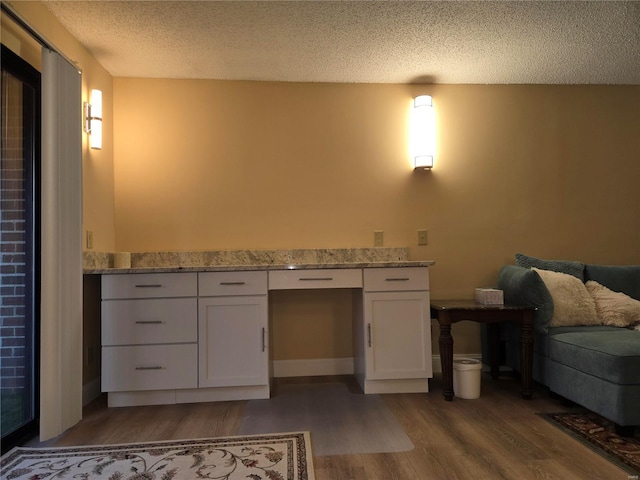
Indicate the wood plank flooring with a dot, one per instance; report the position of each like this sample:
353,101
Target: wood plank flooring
498,436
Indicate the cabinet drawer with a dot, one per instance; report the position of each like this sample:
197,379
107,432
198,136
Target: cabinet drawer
149,285
320,278
150,367
149,321
396,279
218,284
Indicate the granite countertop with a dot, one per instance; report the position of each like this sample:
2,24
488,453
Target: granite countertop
227,268
236,260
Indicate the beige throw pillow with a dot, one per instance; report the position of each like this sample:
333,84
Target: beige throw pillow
614,308
572,304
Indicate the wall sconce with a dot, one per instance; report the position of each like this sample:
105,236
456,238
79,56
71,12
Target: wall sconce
423,132
93,119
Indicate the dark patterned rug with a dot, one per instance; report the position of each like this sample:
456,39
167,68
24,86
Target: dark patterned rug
599,434
285,456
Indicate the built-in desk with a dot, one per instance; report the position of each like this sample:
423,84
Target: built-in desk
177,335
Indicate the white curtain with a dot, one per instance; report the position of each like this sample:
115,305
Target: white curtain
61,252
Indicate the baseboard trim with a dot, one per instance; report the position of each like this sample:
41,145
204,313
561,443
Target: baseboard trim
313,367
90,391
338,366
437,365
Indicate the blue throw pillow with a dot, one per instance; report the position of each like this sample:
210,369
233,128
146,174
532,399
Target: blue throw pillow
624,279
563,266
523,286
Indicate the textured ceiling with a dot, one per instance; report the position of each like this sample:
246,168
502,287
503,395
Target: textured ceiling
482,42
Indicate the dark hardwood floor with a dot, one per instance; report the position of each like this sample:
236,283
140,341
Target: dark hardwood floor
498,436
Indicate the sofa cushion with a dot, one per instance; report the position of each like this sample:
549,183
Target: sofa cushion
613,355
563,266
522,286
572,304
625,279
614,308
541,342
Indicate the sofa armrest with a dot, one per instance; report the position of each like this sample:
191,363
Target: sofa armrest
522,286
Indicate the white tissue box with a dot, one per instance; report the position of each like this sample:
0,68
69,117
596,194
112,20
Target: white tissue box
489,296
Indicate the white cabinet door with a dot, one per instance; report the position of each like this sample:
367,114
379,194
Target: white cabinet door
233,341
397,335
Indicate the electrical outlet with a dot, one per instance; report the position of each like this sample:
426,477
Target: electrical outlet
422,237
89,240
378,238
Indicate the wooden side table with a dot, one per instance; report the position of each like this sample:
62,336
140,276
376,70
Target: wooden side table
451,311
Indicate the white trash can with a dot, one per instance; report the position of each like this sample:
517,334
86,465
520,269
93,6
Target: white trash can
466,378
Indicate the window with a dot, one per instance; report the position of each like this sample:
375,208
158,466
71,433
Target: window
20,247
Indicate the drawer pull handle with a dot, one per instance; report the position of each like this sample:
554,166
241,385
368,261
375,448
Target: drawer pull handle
369,335
264,339
321,279
157,367
150,285
232,283
405,279
148,322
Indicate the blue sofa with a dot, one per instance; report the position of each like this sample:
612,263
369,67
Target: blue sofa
596,366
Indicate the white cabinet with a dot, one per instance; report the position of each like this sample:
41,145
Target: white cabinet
149,321
204,336
149,367
395,337
149,285
315,278
149,333
233,334
233,341
398,335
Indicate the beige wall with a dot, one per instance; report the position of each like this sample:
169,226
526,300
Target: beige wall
551,171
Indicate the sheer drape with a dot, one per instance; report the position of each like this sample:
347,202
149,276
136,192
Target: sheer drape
61,260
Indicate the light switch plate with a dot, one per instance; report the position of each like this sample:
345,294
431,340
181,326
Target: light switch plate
422,237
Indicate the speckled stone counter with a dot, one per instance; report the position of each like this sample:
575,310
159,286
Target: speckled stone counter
235,260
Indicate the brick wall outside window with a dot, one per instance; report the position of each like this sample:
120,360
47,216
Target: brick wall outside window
13,257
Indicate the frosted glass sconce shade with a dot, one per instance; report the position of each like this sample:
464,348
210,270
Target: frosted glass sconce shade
423,132
93,119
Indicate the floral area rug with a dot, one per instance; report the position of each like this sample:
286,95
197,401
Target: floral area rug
599,434
257,457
